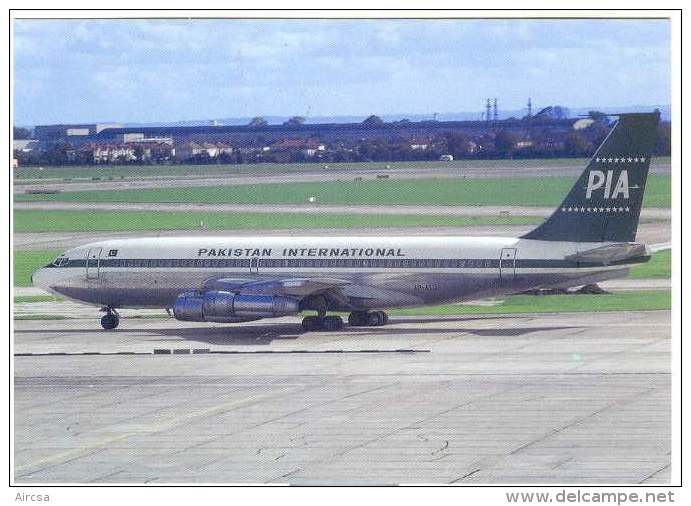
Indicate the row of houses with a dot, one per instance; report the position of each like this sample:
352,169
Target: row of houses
137,147
161,149
151,151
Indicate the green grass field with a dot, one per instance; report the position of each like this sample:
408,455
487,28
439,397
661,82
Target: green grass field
106,172
24,299
547,191
643,300
62,221
26,262
659,266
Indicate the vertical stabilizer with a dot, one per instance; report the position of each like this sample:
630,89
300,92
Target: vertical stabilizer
605,203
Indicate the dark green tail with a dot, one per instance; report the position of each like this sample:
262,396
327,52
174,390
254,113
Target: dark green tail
605,203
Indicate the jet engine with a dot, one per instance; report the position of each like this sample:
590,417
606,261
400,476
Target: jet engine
227,307
220,306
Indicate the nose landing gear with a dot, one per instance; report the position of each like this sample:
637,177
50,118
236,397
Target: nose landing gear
111,319
368,319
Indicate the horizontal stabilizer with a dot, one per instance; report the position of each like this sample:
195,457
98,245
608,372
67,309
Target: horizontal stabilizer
611,253
661,246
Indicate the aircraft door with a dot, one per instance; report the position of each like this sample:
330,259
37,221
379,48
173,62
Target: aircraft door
254,265
507,265
93,263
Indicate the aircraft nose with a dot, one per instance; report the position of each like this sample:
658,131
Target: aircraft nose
39,279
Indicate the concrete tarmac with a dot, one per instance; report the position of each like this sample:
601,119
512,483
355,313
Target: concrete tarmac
648,213
550,398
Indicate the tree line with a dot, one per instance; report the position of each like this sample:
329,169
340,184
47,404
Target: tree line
541,142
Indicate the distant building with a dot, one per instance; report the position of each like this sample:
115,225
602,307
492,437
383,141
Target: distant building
293,142
109,153
65,132
157,140
25,145
188,150
133,137
553,112
140,137
312,149
154,151
25,151
524,144
70,132
287,137
308,147
121,152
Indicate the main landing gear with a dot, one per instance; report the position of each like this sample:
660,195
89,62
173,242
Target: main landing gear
322,323
111,319
356,319
368,319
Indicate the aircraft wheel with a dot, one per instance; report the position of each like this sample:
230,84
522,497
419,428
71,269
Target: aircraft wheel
311,323
357,319
110,321
333,323
374,319
385,318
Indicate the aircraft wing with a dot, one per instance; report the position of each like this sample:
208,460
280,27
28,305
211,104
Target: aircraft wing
291,287
343,293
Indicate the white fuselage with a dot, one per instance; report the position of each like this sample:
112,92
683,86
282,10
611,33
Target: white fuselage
395,271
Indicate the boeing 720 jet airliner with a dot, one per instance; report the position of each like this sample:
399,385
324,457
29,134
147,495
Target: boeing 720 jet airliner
590,237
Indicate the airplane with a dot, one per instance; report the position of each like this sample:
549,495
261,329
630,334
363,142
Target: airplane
589,238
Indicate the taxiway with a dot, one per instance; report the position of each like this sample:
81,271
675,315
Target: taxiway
550,398
233,177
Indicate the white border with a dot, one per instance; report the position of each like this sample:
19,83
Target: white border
473,495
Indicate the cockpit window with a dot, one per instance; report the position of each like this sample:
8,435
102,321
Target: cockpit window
60,261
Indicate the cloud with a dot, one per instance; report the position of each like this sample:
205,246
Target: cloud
162,70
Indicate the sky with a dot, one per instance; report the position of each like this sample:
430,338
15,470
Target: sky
70,71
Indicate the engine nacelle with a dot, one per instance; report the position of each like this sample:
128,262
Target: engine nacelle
227,307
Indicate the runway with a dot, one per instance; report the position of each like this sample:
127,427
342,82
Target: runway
648,213
551,398
233,178
650,233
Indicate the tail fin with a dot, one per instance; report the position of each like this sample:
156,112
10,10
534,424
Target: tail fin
605,203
